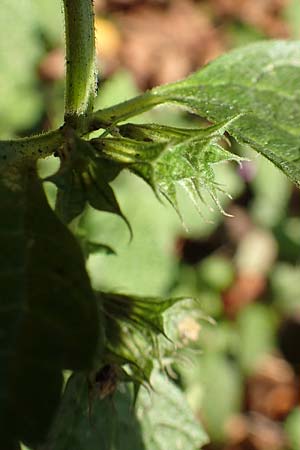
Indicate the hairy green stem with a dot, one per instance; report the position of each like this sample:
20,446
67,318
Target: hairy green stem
122,111
38,146
81,74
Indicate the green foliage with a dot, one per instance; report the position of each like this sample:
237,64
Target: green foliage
154,227
114,423
45,296
51,319
256,84
167,156
133,326
160,411
85,178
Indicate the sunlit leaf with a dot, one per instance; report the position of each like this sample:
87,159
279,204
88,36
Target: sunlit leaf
259,82
166,419
167,157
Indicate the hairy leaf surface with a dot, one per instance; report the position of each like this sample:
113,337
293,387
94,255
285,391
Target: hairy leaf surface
132,326
84,422
258,84
166,419
166,157
160,420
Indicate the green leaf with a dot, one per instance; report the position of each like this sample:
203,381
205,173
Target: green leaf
174,156
132,326
99,193
166,419
155,231
71,195
160,420
48,313
84,423
83,178
155,226
257,84
144,312
160,133
98,247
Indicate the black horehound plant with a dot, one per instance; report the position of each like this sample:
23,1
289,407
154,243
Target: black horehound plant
51,320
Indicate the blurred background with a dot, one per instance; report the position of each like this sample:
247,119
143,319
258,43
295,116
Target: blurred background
243,381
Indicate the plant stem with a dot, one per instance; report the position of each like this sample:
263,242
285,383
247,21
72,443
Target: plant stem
38,146
81,77
104,118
